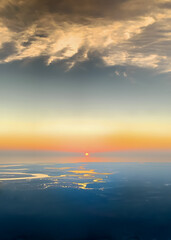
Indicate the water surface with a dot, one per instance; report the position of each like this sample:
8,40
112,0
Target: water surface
85,200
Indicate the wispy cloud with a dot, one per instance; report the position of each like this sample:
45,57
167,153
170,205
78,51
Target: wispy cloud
131,32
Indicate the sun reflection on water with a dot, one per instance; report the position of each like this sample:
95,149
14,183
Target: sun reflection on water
76,176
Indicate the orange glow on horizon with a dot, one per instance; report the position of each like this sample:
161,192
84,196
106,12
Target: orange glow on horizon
103,143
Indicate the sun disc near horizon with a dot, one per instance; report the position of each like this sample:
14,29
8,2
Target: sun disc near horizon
86,154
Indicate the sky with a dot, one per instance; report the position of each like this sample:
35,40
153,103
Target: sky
85,76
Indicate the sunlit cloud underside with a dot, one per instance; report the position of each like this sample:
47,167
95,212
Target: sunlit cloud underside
132,32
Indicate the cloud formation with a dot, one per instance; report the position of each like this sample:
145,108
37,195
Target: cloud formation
131,32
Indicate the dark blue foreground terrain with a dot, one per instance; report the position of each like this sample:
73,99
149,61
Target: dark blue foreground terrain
80,201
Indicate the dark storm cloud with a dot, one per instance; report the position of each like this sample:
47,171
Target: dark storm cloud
166,5
127,32
18,15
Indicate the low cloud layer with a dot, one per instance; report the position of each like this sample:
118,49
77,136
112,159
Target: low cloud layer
131,32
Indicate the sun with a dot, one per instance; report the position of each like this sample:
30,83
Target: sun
86,154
